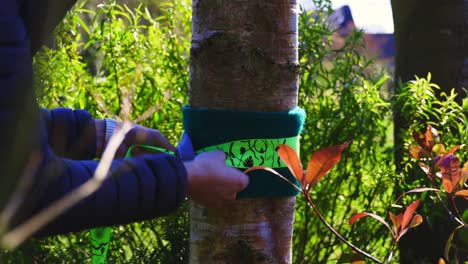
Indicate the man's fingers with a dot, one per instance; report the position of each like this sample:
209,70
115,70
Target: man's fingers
243,181
239,180
147,136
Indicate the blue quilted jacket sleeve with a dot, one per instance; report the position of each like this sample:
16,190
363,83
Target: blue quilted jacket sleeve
137,188
71,133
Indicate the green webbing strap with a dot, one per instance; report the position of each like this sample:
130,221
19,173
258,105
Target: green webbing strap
100,237
243,154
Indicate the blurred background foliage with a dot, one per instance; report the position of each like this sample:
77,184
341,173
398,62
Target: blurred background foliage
129,60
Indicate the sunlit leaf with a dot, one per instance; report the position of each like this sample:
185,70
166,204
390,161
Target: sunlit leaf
427,170
438,149
289,156
358,216
462,193
464,174
417,220
409,213
430,134
322,161
447,185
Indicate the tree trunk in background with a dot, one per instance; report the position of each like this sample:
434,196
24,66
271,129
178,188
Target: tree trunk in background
430,36
244,56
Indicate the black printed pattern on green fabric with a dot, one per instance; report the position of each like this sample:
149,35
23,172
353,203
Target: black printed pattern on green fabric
248,153
100,239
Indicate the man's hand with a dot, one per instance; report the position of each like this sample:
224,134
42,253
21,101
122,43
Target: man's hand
137,135
211,182
143,136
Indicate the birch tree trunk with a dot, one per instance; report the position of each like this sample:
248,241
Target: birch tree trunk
244,57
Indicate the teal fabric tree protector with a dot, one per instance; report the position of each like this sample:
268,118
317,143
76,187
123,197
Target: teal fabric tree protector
248,138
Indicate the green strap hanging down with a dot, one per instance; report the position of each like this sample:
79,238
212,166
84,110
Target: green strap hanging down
100,237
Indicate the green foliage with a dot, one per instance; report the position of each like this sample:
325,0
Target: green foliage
119,62
421,104
344,100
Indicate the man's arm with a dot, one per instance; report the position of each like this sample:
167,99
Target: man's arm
72,134
137,188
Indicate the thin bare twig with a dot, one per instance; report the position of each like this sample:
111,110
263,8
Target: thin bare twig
100,102
150,111
317,212
338,235
26,179
16,236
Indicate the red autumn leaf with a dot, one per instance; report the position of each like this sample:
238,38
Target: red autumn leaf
426,140
453,149
462,193
408,215
417,152
419,138
429,137
417,220
396,221
451,172
358,216
290,157
322,161
447,185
